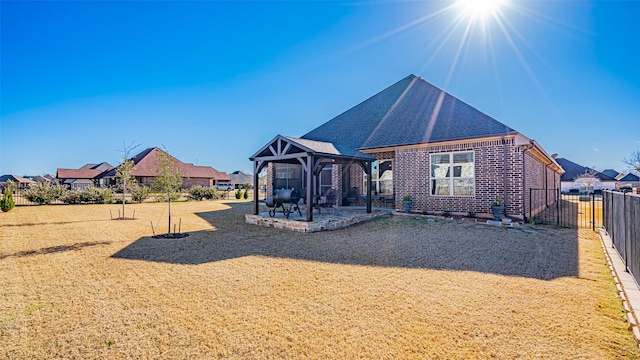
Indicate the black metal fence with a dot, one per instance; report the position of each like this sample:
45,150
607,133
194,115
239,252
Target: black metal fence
622,222
550,206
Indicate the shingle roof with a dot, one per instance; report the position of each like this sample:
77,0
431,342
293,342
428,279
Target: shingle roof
610,172
16,179
77,173
630,177
146,164
411,111
573,170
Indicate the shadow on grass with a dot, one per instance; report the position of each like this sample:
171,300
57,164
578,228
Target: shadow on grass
390,242
54,249
53,223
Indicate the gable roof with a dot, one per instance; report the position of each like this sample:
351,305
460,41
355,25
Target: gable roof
610,172
77,173
630,178
238,177
290,147
146,164
411,111
573,170
15,179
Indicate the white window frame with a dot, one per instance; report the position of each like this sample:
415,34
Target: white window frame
451,174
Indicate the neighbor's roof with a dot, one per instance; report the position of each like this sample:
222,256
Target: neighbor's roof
411,111
630,177
15,178
573,170
610,172
146,164
77,173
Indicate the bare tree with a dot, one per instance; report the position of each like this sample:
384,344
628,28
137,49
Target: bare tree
124,172
169,179
633,161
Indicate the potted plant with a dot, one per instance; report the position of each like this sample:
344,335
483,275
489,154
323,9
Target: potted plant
407,202
497,209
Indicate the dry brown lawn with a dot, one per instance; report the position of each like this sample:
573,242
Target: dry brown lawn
76,285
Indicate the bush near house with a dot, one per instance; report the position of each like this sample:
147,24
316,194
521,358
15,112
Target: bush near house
139,193
44,193
199,192
92,195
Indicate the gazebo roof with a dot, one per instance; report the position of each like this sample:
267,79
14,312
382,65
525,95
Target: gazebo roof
288,149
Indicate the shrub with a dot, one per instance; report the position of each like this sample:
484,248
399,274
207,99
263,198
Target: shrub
239,193
72,197
91,195
139,193
211,193
7,203
246,194
44,193
197,192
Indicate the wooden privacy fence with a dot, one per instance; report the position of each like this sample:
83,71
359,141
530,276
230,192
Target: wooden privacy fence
622,222
550,206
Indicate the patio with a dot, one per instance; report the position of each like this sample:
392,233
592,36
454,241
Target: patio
324,220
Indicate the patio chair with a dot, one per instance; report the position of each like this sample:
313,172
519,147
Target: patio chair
328,200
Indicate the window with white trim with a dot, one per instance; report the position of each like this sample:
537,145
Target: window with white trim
453,174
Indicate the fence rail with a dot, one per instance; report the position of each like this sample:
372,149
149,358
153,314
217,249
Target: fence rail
622,222
550,206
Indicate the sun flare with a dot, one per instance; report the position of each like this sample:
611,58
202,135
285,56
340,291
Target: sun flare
480,8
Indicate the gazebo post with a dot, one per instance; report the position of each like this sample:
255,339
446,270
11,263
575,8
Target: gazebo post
369,182
255,187
309,170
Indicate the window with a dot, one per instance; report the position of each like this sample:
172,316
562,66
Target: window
452,174
382,177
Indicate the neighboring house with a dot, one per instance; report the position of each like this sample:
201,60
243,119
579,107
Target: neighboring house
20,181
624,180
84,177
422,142
146,169
240,178
42,179
608,179
78,178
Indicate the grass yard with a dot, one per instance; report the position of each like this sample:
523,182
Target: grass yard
75,284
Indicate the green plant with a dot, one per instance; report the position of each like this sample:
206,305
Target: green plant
7,203
246,194
211,193
139,193
496,202
197,192
44,193
238,193
406,198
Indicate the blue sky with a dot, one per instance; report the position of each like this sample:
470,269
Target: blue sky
213,81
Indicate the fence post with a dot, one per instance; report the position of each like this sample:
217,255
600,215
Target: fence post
558,195
593,211
624,233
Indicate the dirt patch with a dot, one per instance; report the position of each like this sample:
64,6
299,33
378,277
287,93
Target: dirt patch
77,285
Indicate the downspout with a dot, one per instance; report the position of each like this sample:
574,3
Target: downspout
525,149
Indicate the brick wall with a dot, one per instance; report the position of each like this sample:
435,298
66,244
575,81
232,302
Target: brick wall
498,172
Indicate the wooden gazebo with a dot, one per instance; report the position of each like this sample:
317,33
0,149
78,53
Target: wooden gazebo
313,156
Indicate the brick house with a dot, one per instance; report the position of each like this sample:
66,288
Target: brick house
146,168
428,144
